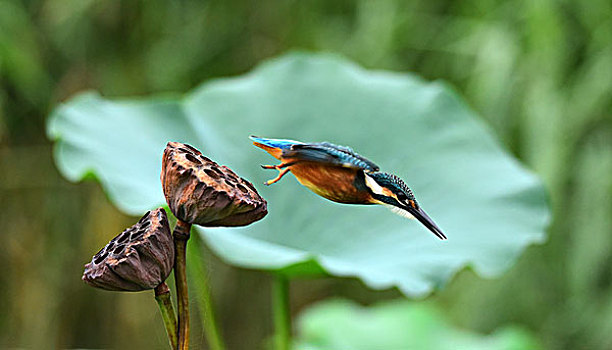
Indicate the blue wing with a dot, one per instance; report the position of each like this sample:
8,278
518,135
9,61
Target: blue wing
325,152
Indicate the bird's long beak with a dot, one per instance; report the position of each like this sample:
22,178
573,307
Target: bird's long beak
424,219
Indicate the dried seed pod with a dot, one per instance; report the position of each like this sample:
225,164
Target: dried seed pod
200,191
139,258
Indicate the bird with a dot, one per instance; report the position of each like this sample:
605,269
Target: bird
341,175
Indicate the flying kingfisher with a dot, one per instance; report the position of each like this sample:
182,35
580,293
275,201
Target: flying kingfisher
341,175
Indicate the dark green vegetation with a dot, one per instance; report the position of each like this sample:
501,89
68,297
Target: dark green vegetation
539,72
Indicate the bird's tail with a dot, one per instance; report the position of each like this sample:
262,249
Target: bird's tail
275,143
273,146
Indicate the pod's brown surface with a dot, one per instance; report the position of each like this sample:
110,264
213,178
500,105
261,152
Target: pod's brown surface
200,191
139,258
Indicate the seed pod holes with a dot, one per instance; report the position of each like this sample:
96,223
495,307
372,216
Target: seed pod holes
200,191
139,258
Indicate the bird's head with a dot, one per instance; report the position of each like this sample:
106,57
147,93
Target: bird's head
391,191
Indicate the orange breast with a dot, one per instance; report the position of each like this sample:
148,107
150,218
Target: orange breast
332,182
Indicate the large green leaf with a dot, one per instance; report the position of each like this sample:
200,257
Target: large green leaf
397,325
487,204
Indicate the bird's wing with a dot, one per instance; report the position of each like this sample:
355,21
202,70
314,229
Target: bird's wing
328,153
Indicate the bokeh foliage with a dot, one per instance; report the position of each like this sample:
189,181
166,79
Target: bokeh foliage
399,324
538,71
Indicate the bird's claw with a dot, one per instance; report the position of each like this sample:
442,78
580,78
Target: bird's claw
282,168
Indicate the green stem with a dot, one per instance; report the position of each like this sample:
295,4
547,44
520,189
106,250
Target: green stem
282,313
181,236
162,296
199,278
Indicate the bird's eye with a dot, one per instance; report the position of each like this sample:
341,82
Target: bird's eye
402,197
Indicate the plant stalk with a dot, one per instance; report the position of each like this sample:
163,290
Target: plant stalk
162,296
199,279
181,236
282,312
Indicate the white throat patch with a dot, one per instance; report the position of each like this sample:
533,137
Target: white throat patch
400,211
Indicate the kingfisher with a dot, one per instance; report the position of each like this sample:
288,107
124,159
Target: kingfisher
341,175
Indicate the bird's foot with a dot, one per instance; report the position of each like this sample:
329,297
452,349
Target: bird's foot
279,166
276,179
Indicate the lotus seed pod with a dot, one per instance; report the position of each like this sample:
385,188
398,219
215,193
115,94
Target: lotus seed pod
200,191
139,258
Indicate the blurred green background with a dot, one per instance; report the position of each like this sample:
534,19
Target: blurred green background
539,71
